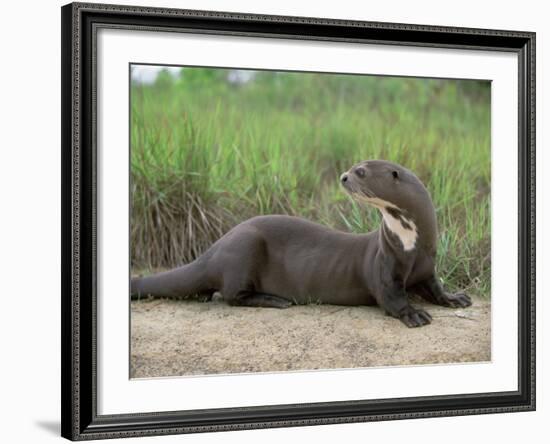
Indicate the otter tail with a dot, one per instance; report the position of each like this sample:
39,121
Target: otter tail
182,281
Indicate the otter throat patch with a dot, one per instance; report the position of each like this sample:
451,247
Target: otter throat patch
404,228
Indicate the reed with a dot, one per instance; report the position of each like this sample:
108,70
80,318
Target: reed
207,154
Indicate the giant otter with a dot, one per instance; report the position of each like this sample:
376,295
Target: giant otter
275,261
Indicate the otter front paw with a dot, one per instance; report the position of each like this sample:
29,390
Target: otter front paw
457,300
414,317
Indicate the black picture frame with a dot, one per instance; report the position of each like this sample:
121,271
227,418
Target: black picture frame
78,332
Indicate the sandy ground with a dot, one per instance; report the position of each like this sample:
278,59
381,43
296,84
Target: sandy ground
170,338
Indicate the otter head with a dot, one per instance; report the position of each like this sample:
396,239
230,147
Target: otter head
403,200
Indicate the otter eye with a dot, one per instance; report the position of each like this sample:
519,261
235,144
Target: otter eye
395,174
360,171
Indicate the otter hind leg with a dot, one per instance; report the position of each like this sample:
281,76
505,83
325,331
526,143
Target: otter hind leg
432,291
252,299
265,300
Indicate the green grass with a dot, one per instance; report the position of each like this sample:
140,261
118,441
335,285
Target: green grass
207,154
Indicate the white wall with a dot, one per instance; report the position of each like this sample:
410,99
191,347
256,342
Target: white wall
30,218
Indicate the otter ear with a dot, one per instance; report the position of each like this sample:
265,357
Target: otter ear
395,174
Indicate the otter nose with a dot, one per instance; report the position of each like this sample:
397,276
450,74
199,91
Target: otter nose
344,177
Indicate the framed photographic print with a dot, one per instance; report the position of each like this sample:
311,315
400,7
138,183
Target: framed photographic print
280,221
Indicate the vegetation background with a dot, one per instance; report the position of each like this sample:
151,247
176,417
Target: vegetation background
213,147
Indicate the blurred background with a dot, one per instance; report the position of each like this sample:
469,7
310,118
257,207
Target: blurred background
212,147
